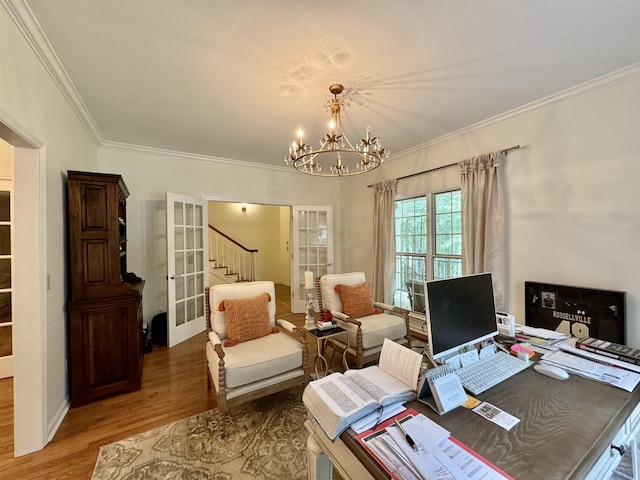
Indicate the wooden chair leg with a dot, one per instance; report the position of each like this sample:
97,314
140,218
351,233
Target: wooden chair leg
359,354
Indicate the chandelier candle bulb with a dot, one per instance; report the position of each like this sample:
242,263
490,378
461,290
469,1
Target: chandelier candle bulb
308,280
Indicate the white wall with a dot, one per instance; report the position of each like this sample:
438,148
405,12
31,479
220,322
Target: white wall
573,202
6,160
30,98
149,174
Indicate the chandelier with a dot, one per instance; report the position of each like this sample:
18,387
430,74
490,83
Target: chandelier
336,152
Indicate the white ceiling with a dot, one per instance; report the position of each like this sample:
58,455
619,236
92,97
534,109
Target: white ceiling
235,79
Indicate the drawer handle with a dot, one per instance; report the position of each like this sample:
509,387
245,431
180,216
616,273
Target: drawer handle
620,449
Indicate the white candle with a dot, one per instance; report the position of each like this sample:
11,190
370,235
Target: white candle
308,279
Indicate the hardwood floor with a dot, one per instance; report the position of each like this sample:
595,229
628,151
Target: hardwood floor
283,301
174,386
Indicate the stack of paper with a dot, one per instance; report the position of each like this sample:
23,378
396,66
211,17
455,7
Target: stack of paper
438,456
541,338
594,366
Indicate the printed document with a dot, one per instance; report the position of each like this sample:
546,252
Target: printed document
580,365
496,415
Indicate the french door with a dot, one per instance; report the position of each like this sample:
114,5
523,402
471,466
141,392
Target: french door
6,288
187,266
312,240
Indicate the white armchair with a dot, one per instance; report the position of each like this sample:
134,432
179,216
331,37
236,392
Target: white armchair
249,369
366,332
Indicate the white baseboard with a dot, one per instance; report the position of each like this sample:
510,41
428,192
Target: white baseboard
57,419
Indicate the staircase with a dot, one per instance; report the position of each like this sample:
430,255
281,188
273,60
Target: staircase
229,261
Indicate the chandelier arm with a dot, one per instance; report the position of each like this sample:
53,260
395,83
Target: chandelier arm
307,158
346,139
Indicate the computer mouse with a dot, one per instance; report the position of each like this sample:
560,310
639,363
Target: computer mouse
551,371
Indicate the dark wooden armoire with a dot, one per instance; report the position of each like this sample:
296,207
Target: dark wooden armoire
105,331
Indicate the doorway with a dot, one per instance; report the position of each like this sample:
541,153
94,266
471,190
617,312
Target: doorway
266,228
28,287
290,240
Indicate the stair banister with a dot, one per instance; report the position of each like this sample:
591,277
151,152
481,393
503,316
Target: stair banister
228,253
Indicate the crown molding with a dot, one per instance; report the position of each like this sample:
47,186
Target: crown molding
587,88
26,22
195,156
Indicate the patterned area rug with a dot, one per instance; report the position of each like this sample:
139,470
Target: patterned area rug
263,439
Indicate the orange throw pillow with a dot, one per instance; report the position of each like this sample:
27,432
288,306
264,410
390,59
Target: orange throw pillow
247,318
356,299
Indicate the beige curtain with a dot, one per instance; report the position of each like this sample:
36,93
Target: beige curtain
384,241
483,243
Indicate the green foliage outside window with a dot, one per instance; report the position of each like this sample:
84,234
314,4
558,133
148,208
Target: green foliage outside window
419,256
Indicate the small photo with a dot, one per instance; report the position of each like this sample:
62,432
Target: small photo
549,300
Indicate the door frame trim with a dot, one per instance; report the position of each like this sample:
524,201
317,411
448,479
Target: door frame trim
31,429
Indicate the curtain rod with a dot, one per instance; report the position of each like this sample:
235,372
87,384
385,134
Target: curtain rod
504,151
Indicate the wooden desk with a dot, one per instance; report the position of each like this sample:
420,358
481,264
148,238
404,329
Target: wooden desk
566,430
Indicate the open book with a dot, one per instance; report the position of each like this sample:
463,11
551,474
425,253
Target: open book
338,400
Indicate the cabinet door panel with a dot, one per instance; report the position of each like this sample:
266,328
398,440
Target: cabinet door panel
106,349
105,346
96,258
94,208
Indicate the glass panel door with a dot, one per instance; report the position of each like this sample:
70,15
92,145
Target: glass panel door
312,241
186,276
6,262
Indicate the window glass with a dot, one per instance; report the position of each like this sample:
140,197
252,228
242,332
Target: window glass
5,273
5,239
424,253
5,307
5,206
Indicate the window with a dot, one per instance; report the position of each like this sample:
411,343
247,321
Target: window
428,244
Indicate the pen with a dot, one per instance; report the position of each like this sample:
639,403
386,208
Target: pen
406,435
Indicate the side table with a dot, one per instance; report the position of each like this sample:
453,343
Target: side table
323,337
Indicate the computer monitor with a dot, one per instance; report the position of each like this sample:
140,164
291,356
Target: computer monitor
460,312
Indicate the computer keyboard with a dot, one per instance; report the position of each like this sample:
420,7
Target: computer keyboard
490,371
